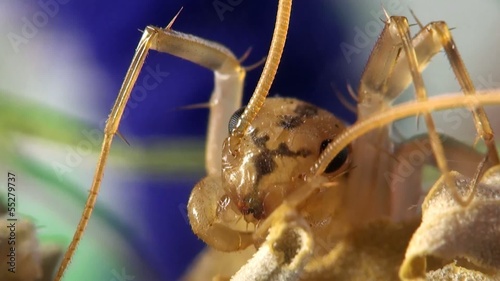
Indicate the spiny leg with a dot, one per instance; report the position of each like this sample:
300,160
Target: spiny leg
368,193
228,84
481,119
109,132
382,81
229,76
482,123
396,31
403,30
428,42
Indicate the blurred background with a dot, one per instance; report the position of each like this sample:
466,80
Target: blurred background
63,62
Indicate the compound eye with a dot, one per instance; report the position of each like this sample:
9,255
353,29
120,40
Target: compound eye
233,121
339,159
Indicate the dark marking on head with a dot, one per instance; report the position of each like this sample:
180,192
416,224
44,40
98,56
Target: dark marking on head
306,110
289,122
264,163
303,111
252,205
260,142
284,150
303,152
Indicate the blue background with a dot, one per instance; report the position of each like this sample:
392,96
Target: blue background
311,61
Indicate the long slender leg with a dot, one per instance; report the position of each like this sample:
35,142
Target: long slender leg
428,42
402,27
368,192
386,75
228,85
229,76
421,94
385,79
482,123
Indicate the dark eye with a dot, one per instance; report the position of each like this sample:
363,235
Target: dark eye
339,159
233,121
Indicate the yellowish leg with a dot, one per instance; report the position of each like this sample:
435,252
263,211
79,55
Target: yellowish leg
229,76
395,62
402,26
482,123
428,42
